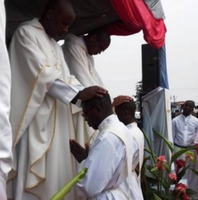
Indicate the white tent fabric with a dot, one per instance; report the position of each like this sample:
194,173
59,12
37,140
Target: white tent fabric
90,14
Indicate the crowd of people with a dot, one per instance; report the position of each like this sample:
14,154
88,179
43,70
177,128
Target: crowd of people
57,116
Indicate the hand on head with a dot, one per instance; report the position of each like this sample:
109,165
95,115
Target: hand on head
121,99
90,92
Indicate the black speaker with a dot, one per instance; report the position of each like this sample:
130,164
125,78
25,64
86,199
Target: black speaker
150,68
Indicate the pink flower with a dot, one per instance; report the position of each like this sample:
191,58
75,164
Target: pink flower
180,163
180,188
160,166
161,160
172,176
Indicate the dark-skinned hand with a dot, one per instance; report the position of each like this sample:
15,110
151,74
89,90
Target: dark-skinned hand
90,92
121,99
79,152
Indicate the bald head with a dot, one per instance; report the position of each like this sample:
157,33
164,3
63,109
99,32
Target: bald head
57,17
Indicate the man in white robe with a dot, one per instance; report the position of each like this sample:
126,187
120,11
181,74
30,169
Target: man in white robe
185,131
78,52
41,118
109,159
125,109
5,127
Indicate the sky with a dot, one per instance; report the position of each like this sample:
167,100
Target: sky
120,66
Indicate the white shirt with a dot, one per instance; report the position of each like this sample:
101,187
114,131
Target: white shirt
184,130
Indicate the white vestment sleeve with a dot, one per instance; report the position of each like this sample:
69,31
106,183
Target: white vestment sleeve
5,85
5,127
63,91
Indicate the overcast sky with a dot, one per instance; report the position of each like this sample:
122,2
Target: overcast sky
120,65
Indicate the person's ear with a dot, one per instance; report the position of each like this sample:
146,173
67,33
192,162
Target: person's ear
98,107
98,110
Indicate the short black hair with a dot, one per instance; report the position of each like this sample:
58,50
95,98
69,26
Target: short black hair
130,106
190,102
104,101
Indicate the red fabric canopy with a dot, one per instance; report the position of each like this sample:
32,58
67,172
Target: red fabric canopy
136,16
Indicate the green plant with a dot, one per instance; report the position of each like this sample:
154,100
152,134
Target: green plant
60,195
162,179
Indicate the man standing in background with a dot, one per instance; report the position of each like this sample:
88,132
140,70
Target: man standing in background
5,127
185,130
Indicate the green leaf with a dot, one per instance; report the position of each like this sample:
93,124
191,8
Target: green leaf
147,150
150,178
154,169
156,197
145,160
169,143
165,184
66,189
169,197
149,167
149,146
190,192
180,152
151,181
168,167
182,173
